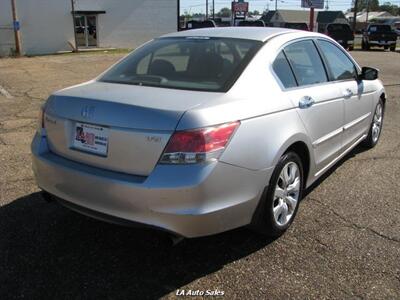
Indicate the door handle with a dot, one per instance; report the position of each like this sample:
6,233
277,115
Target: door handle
306,102
347,93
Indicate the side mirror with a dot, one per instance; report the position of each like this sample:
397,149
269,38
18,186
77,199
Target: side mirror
368,73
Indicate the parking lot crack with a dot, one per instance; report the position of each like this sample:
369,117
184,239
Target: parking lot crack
356,226
5,93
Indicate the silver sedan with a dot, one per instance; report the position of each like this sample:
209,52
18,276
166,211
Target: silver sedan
207,130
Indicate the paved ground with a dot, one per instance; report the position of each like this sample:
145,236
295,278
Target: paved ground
345,242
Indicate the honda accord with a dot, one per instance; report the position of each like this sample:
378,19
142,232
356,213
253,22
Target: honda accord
203,131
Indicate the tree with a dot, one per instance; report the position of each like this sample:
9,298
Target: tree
373,5
390,8
224,12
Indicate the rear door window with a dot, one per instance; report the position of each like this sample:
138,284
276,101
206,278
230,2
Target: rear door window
306,63
282,69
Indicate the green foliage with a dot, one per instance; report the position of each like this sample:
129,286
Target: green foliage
224,12
373,5
390,8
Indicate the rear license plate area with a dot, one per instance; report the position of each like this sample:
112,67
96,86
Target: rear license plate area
90,138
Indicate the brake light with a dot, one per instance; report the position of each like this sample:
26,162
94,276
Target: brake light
199,145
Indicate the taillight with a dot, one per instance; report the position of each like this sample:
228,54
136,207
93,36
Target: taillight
199,145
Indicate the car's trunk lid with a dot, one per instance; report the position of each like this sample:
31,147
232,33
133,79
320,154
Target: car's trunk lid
117,127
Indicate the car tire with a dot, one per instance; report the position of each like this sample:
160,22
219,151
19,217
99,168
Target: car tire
275,214
385,47
351,48
375,129
47,196
393,48
363,45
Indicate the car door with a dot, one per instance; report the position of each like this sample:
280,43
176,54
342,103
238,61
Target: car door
319,105
357,97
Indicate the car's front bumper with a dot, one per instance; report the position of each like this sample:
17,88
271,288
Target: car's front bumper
189,200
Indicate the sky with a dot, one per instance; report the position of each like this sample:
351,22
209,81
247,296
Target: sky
193,6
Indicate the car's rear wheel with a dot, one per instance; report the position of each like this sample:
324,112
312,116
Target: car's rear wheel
393,48
376,126
351,48
385,47
364,45
279,203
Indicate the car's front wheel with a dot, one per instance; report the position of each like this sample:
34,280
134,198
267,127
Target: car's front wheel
376,126
279,203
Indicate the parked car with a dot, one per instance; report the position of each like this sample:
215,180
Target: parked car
342,34
379,35
298,26
193,24
396,27
256,23
225,134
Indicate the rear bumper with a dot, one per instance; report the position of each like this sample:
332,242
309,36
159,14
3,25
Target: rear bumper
382,43
189,200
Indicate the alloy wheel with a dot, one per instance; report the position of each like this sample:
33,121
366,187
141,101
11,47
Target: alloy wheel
377,123
287,191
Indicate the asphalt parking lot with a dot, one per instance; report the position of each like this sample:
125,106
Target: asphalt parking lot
344,243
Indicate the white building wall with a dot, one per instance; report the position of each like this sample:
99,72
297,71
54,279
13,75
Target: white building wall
6,32
46,25
130,23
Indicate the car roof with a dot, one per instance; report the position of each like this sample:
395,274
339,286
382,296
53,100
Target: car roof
250,33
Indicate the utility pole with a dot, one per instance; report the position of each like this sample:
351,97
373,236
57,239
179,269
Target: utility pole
73,24
206,9
311,25
366,17
213,11
16,26
355,15
276,5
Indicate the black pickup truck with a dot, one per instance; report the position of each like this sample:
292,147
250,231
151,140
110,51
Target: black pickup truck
342,34
379,35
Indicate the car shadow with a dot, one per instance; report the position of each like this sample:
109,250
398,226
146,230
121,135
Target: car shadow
48,251
353,153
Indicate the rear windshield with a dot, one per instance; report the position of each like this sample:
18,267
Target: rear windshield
338,28
190,63
300,26
380,28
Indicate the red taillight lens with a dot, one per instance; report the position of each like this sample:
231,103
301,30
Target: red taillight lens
198,145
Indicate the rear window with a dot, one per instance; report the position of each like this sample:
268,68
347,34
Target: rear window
380,28
198,63
338,28
283,71
299,26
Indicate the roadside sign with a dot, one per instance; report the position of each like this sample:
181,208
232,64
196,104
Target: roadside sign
240,7
312,3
